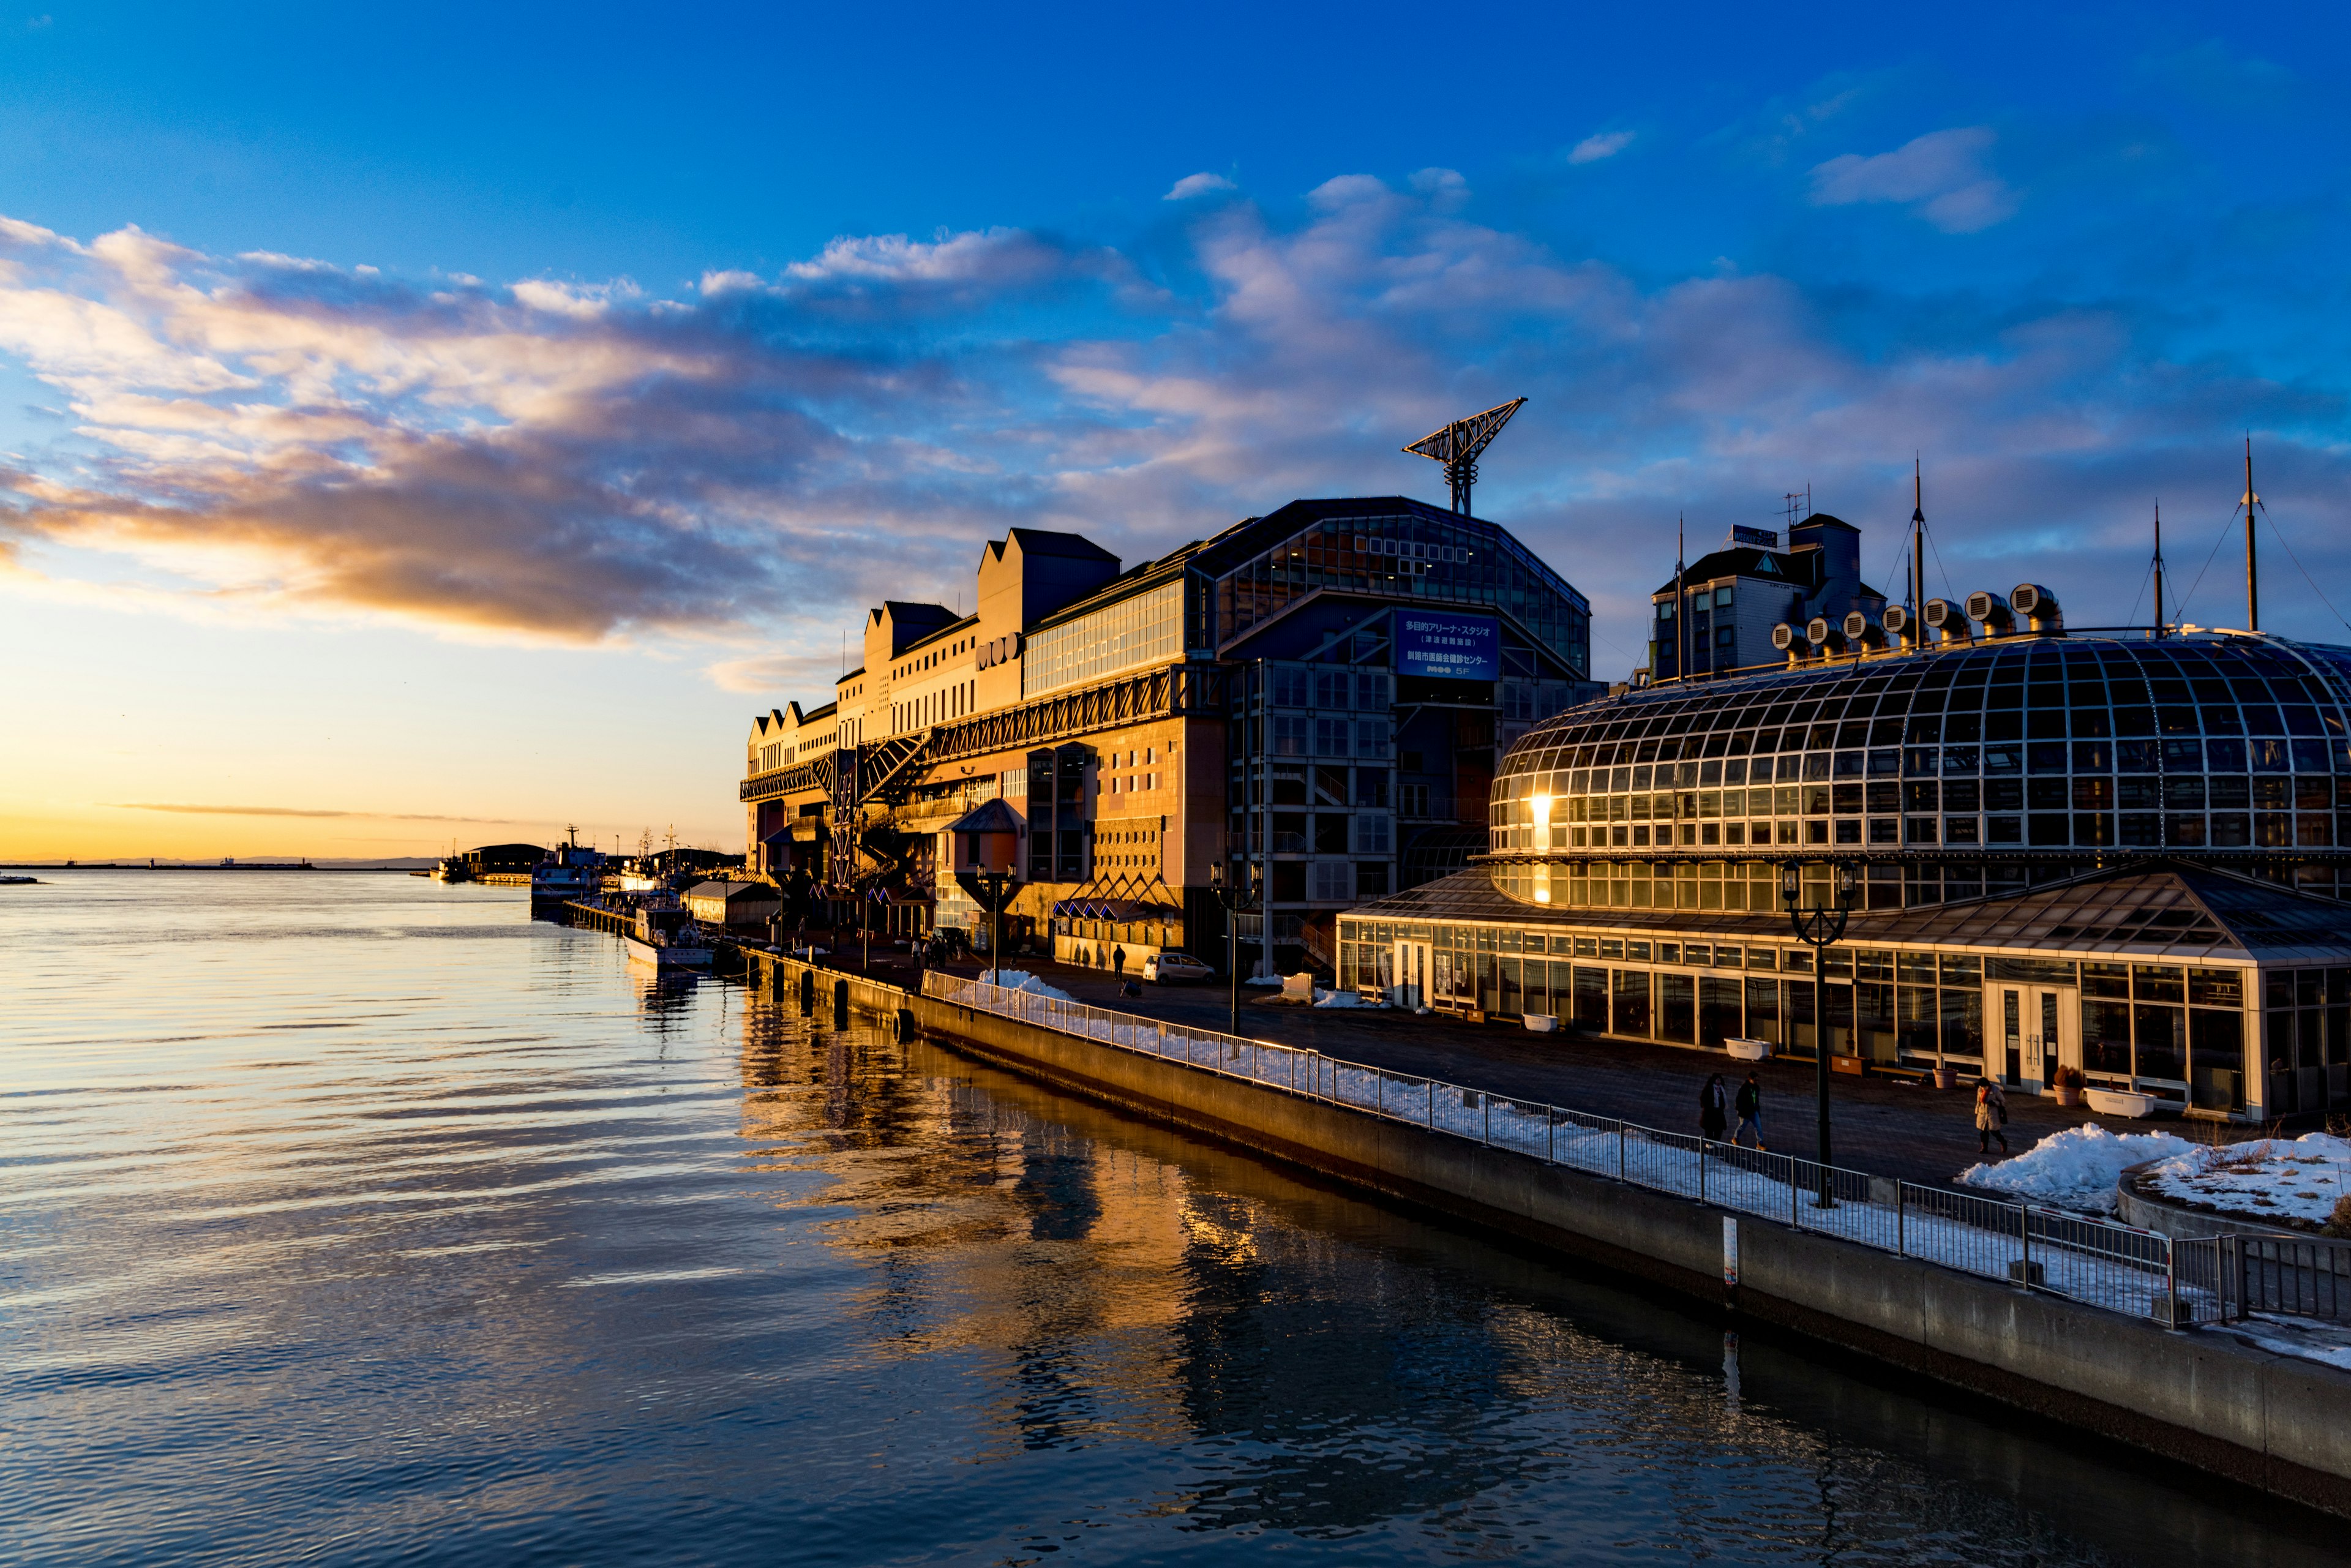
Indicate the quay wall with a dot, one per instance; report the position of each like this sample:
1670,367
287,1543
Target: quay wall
2278,1423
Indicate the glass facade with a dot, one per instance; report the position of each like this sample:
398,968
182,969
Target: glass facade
1147,629
1436,557
2177,1030
1956,765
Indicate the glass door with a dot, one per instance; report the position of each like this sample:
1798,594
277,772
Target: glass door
1411,987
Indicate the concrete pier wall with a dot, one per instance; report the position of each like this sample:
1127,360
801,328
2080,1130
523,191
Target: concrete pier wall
2276,1423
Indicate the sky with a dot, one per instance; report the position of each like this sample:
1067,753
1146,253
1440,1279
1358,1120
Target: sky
422,426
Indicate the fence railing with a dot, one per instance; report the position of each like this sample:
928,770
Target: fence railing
2095,1261
2283,1275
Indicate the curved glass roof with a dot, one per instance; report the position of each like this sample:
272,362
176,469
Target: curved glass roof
2026,743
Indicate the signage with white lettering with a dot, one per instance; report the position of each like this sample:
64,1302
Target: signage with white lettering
1454,647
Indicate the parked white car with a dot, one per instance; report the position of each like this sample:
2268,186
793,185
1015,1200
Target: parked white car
1165,968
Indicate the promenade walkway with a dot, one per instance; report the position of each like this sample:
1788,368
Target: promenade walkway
1894,1128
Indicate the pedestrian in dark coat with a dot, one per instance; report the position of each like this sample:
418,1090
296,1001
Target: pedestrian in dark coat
1713,1108
1750,1106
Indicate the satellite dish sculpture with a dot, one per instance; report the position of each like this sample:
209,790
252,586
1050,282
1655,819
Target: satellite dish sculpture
1457,446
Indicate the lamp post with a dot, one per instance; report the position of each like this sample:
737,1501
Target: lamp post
1818,927
1236,896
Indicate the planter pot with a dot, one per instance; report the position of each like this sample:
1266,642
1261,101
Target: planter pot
1542,1023
1856,1066
1749,1050
2122,1103
1946,1078
2066,1094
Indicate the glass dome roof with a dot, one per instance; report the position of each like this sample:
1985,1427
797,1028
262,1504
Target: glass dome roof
2024,746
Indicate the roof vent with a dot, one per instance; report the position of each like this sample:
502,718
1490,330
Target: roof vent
1863,632
2040,606
1792,642
1948,621
1828,639
1898,620
1993,612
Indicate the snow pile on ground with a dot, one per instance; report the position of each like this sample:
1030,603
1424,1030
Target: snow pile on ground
1022,980
2076,1168
1262,980
2274,1179
1341,1000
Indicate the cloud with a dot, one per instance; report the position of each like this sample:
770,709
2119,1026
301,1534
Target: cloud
734,472
1200,185
196,811
1599,145
1941,174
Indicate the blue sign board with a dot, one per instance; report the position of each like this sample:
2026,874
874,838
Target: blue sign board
1456,647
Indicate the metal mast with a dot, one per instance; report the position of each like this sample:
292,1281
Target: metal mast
1681,605
1459,443
2160,625
1917,546
2252,577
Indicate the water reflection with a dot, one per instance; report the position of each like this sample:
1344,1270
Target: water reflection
364,1217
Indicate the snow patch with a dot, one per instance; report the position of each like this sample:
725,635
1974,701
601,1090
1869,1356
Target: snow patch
2272,1179
1341,1000
1022,980
2076,1168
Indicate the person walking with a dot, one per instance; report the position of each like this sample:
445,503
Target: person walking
1713,1109
1750,1106
1118,962
1992,1116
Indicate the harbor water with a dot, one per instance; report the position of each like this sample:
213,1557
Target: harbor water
356,1217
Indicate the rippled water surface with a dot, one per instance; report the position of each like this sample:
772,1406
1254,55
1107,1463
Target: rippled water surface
351,1218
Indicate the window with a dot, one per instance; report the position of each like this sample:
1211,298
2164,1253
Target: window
1372,833
1412,799
1331,736
1144,629
1291,687
1333,882
1289,736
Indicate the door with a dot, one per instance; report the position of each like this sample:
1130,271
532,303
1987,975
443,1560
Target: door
2008,1011
2057,1023
1411,985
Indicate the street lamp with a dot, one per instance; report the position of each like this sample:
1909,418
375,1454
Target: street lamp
1236,896
1818,925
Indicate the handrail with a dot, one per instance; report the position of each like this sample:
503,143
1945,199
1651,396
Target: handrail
2098,1262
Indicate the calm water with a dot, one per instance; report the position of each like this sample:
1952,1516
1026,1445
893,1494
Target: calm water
351,1218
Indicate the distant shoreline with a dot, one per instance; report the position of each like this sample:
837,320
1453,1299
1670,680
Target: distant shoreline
134,865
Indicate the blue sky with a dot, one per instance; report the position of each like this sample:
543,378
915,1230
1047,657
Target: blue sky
521,376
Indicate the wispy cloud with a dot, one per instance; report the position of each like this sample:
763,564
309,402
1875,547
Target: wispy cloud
1200,185
1941,174
204,811
1599,145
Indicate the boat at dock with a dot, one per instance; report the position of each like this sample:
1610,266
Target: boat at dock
573,871
666,939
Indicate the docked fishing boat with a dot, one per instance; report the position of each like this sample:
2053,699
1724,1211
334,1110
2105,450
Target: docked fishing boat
667,939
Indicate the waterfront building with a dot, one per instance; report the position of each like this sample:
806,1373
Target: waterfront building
2123,852
1729,599
1322,692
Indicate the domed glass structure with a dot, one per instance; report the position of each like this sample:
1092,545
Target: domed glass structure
1950,772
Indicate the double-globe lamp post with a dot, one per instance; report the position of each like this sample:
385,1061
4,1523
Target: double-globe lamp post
1818,927
1237,894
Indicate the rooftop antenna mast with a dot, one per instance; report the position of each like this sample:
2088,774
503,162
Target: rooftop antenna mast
1918,539
2161,626
1681,603
2252,577
1459,443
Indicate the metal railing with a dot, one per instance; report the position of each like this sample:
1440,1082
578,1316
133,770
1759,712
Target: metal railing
2283,1276
2094,1262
